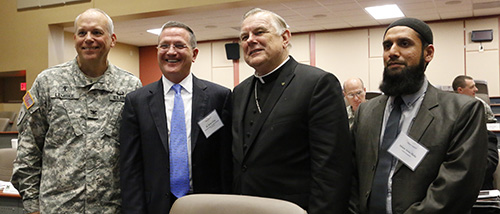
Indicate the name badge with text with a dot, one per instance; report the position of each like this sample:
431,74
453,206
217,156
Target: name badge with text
210,124
408,151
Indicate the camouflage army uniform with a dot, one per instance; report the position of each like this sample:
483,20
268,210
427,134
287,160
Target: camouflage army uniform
490,117
68,154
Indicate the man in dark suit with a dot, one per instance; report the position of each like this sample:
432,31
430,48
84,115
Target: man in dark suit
155,168
417,149
290,130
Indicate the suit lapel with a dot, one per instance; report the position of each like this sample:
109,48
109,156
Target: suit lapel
375,132
156,104
281,83
240,102
424,117
199,106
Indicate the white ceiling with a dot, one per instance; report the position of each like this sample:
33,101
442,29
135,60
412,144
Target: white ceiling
217,22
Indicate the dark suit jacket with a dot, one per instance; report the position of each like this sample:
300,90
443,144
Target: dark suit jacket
299,149
144,148
449,177
491,162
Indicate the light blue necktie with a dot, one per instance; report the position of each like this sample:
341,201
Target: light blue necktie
179,165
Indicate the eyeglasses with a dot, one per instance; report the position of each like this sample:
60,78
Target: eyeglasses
356,93
165,47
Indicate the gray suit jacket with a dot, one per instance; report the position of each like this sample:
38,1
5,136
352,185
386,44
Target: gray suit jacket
449,177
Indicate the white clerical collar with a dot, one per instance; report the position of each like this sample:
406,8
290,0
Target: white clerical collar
261,78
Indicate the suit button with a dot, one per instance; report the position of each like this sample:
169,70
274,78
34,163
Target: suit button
244,168
245,146
248,134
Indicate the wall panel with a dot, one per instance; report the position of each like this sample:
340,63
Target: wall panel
344,53
483,64
300,48
477,69
448,61
223,76
202,66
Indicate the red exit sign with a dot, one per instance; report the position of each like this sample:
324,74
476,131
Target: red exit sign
23,86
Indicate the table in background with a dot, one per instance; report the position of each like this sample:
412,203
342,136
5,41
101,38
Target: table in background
11,203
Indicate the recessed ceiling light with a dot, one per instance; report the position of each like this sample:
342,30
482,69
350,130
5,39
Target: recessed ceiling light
210,26
453,2
319,16
155,31
385,11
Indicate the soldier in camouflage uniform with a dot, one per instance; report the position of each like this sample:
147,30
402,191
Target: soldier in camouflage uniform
67,159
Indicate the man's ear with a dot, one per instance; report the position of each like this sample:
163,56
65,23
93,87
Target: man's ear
286,38
195,53
429,53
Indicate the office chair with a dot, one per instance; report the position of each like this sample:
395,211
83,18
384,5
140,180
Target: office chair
482,86
372,94
4,123
484,97
7,156
8,114
231,204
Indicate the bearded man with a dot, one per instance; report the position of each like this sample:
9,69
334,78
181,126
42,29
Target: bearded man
417,149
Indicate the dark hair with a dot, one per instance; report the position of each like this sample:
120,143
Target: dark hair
459,81
173,24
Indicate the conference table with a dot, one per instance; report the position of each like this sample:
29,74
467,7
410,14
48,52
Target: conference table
11,203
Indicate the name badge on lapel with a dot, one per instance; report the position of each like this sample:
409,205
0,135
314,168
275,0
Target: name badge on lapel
210,124
408,151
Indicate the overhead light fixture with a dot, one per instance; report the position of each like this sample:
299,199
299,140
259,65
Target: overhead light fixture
155,31
319,16
385,11
453,2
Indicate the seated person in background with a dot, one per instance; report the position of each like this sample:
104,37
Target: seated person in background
465,85
355,92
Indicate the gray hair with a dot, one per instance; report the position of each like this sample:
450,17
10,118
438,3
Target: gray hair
360,80
111,27
173,24
277,21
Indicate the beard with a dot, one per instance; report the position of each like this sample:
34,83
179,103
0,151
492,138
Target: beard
408,81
